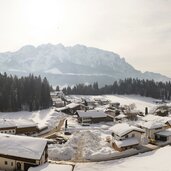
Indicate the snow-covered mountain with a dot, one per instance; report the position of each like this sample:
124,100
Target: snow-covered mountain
71,65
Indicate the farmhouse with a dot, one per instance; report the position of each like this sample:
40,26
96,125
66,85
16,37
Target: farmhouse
58,102
114,105
126,136
20,126
21,152
76,106
27,129
93,117
151,128
6,127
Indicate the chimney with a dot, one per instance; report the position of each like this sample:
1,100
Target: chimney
146,110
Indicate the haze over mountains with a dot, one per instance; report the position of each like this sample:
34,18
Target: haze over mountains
71,65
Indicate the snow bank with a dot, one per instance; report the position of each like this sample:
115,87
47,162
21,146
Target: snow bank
51,167
158,160
82,145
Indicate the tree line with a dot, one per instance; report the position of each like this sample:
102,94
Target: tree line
148,88
25,93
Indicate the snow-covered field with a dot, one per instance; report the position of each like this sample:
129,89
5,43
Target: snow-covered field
52,167
158,160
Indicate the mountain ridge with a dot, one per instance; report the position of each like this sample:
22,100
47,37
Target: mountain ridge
71,64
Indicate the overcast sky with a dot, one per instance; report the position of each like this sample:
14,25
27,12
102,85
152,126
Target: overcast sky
138,30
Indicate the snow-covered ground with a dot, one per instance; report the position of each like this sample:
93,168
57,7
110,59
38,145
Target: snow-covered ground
47,117
86,142
51,167
89,142
158,160
82,145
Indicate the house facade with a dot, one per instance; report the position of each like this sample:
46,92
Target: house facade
21,152
11,126
125,136
93,117
8,130
151,128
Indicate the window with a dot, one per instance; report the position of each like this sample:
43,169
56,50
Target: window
11,163
6,163
133,135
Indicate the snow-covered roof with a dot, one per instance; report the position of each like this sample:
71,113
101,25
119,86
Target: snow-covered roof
120,116
126,142
151,124
165,133
92,114
122,129
19,123
151,117
6,124
62,108
168,121
22,146
73,105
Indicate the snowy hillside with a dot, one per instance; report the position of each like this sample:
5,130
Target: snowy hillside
71,65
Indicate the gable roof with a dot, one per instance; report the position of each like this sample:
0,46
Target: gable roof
165,133
127,142
73,105
16,123
92,114
151,124
22,146
122,129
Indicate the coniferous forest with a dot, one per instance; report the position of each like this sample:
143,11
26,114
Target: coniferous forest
148,88
25,93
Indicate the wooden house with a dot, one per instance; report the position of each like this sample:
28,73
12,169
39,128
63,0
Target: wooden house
126,136
27,129
7,127
114,105
151,128
21,152
21,126
93,116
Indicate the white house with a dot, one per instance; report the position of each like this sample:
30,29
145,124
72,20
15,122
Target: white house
126,136
7,126
151,128
21,152
19,126
164,136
